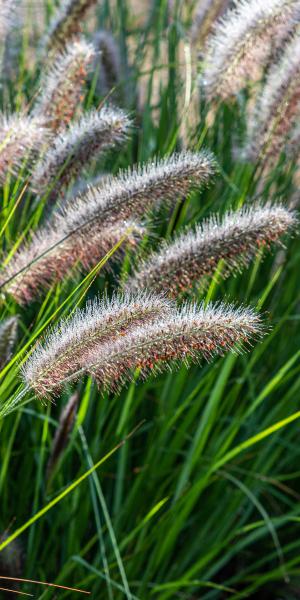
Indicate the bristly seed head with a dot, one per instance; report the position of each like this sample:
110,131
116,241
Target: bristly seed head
65,349
76,147
8,338
192,258
186,335
137,191
206,14
21,138
66,23
278,107
28,273
62,85
243,41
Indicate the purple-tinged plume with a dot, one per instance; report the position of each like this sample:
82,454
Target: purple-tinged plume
243,41
193,257
54,254
67,346
21,138
205,16
8,338
136,192
278,107
185,336
67,22
62,85
75,148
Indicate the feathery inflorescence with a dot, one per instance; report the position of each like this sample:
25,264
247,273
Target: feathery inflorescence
62,85
89,226
54,254
206,13
21,138
108,62
8,338
243,41
186,335
193,256
135,192
76,147
66,23
278,106
66,348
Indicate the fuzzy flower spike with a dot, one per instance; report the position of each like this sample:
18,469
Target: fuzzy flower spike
62,85
185,336
67,346
90,225
243,41
145,333
194,255
76,147
137,191
206,13
66,23
278,107
21,138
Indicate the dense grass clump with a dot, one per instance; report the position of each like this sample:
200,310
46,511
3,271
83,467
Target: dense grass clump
149,299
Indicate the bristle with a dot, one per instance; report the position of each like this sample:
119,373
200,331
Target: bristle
66,23
48,259
277,109
62,85
193,257
242,42
187,335
76,147
8,338
21,138
66,347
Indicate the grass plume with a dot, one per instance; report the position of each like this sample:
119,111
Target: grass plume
21,138
243,41
65,349
54,253
277,108
75,147
62,85
186,335
193,256
8,338
66,23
